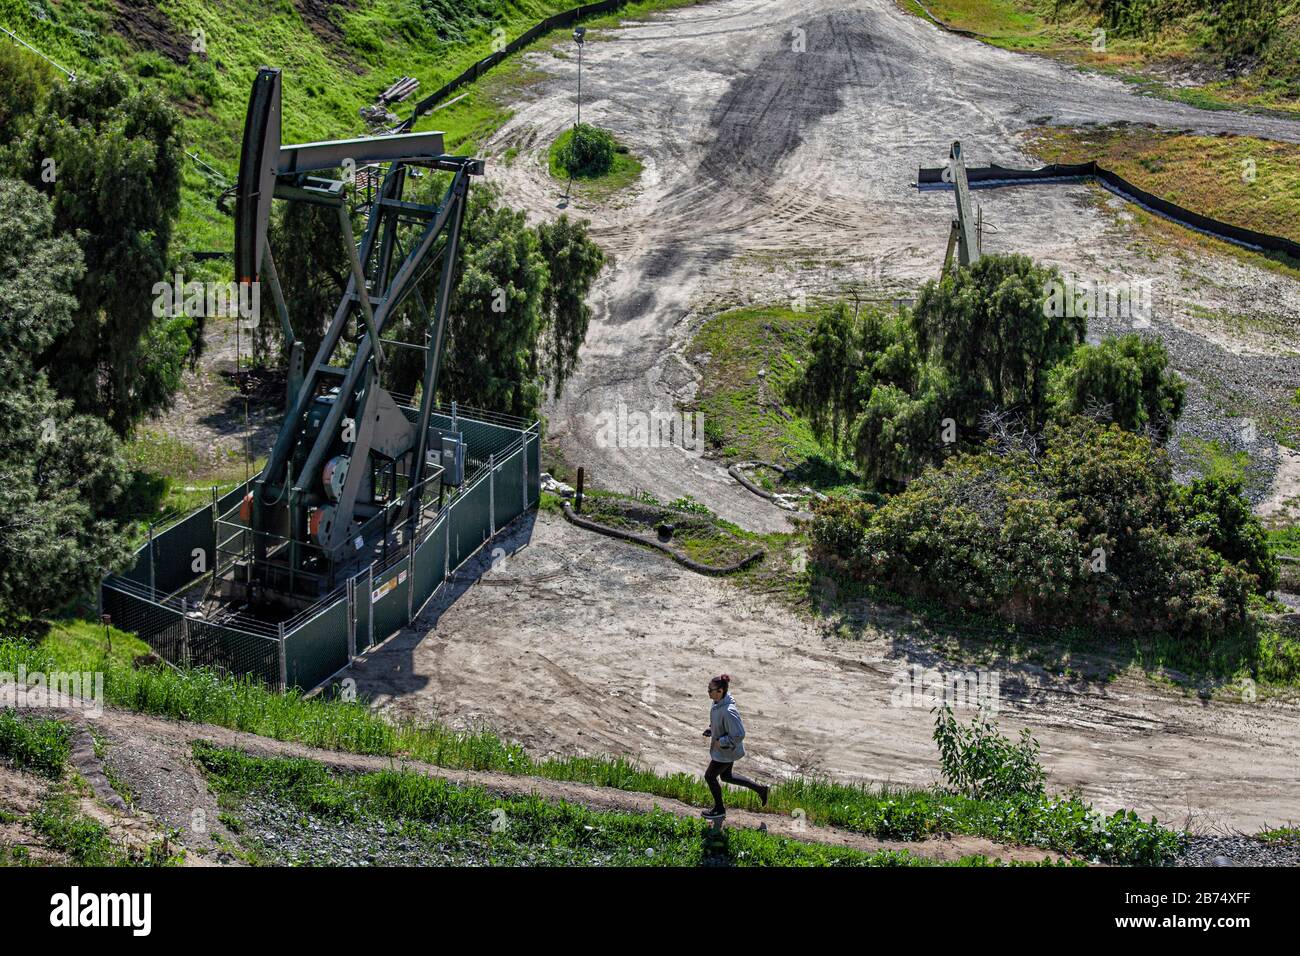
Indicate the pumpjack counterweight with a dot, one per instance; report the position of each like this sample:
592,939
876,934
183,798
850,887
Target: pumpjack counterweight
351,468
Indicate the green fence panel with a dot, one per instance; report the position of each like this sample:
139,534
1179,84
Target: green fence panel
470,522
230,650
176,551
233,497
508,489
318,648
389,598
361,597
139,572
430,560
159,627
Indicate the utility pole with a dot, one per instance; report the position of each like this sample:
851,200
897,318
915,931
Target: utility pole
578,34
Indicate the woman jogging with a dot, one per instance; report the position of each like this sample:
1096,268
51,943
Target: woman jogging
726,746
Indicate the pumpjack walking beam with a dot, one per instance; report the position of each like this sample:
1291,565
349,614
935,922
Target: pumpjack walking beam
320,498
964,235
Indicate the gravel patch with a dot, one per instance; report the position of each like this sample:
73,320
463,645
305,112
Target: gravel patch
1237,851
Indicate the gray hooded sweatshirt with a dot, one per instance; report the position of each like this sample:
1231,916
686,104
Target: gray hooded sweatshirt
725,743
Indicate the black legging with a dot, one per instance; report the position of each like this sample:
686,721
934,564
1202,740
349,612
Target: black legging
722,768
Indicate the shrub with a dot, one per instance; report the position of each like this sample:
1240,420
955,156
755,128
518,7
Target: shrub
838,526
1122,380
977,761
586,152
25,80
1214,510
1091,531
1243,27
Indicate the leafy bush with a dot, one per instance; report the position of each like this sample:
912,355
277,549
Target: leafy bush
1122,380
979,762
839,525
1243,27
1215,510
902,390
1091,531
586,152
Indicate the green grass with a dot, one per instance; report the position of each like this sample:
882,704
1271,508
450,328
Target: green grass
747,358
469,825
202,696
78,646
88,842
625,171
1212,460
698,533
1285,541
37,745
1249,182
1065,30
170,479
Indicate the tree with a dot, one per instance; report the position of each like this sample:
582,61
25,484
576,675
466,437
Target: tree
573,262
1122,380
312,263
904,390
61,473
518,313
827,391
110,159
988,326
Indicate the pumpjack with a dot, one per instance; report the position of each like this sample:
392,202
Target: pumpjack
964,236
351,466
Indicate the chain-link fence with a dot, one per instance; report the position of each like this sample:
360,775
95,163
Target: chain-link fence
502,482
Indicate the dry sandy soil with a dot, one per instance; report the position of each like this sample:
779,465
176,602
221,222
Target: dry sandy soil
569,642
773,173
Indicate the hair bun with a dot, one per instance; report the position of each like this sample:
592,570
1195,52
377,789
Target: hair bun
726,677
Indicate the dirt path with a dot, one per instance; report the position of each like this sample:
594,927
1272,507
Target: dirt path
573,643
152,757
773,174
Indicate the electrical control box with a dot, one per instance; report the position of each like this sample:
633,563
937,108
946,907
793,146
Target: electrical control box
447,450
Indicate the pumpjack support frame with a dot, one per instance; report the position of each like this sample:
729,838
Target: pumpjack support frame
348,467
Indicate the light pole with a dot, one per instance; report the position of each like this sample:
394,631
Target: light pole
578,34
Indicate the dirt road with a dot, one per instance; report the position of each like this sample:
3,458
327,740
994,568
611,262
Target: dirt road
781,142
573,643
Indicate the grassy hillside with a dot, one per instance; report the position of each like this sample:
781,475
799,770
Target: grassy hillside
1179,48
1239,179
336,56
